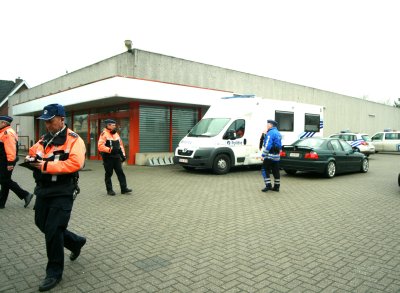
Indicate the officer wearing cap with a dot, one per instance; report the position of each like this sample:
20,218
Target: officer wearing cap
112,150
56,160
272,146
8,159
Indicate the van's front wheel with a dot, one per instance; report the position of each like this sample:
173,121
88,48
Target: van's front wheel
222,164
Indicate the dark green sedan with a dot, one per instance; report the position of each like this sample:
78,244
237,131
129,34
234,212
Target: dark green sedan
328,156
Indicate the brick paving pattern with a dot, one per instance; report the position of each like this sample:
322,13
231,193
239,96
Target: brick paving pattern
197,232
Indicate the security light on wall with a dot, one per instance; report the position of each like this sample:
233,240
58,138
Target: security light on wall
128,45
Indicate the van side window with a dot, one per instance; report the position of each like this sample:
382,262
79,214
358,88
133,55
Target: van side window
237,129
285,120
378,136
392,136
311,122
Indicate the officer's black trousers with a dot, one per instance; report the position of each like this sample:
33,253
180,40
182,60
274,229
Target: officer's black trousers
7,183
111,164
52,215
271,166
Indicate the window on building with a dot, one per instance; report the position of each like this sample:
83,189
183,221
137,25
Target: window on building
311,122
285,120
80,125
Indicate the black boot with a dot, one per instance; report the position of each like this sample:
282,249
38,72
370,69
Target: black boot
276,187
126,190
267,187
111,192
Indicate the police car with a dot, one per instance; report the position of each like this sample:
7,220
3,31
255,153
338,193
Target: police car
360,141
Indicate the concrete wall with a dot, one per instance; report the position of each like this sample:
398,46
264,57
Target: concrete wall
341,112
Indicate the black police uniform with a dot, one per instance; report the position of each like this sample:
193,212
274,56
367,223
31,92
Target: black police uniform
54,199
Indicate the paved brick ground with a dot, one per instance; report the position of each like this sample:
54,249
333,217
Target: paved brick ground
197,232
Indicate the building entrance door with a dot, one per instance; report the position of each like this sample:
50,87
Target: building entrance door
97,125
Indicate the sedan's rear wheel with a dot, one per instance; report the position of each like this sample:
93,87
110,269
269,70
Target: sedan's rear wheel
330,171
364,166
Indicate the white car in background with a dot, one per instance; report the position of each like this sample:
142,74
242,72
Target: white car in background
360,141
386,141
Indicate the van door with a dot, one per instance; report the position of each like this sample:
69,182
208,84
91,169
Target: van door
391,142
377,141
235,138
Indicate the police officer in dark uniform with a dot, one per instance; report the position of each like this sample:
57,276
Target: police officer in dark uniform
112,150
56,159
272,146
8,159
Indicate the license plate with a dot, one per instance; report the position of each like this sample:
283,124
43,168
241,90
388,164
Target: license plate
183,161
294,155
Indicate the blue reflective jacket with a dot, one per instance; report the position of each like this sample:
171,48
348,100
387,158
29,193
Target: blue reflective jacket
272,145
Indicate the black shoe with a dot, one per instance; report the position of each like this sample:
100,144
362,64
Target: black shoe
266,188
2,207
49,283
28,199
111,192
127,190
276,188
74,255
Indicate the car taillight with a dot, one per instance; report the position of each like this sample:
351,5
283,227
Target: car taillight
311,155
282,154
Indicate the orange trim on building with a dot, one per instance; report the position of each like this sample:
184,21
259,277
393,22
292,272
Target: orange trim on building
134,132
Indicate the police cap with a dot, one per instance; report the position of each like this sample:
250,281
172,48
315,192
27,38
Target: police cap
273,122
109,121
52,110
6,118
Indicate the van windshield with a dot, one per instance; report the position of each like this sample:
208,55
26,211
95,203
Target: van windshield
208,127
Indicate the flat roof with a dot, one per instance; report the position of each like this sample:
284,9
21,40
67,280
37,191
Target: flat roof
118,90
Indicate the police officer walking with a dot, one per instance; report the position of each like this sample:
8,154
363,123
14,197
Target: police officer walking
112,150
272,146
56,159
8,159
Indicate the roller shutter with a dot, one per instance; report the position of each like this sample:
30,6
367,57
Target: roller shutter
183,119
154,128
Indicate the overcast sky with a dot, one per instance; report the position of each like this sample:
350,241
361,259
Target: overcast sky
349,47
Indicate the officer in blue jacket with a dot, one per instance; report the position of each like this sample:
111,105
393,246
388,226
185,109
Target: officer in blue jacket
272,146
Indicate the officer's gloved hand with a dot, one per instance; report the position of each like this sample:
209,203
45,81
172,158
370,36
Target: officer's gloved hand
123,158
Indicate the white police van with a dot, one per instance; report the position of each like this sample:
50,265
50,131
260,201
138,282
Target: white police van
229,133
